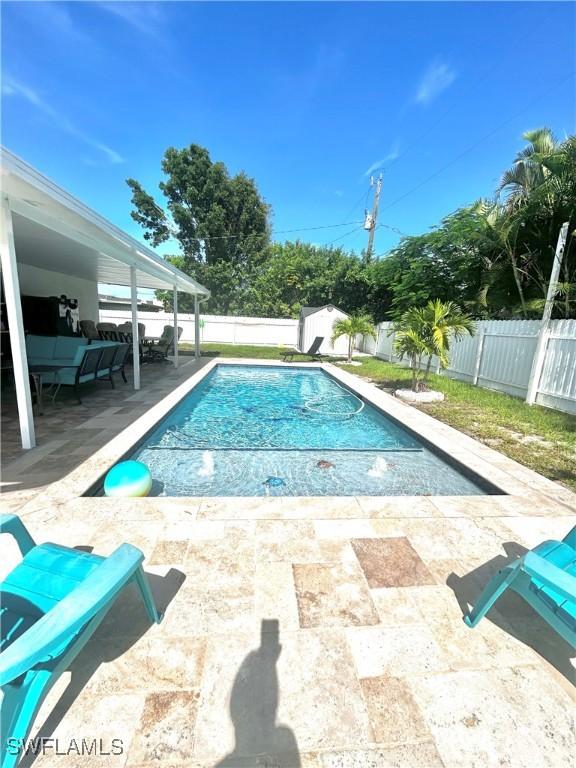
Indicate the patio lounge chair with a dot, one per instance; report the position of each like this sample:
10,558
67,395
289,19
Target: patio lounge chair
546,578
160,350
52,603
314,350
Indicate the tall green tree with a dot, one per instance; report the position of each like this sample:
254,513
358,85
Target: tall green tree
220,222
297,274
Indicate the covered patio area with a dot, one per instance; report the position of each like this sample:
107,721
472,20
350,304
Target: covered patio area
52,245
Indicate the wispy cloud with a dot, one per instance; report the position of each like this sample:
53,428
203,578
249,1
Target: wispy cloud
146,17
338,193
15,88
436,79
392,155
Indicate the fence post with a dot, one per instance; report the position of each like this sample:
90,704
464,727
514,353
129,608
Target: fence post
478,360
537,366
392,340
542,345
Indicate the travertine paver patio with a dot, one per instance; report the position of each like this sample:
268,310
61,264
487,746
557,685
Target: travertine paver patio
321,632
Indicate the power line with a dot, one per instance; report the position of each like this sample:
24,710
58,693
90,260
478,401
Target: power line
454,105
174,235
393,229
323,226
363,196
343,236
477,143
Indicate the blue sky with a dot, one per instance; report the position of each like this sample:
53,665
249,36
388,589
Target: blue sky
304,97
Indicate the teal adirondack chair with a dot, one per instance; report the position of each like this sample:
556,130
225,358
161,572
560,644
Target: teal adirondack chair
51,603
546,578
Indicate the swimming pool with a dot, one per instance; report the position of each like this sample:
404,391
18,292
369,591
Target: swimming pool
249,430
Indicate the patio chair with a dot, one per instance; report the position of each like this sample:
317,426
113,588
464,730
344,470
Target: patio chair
546,578
127,328
52,603
108,332
89,330
107,357
125,335
120,359
160,350
313,352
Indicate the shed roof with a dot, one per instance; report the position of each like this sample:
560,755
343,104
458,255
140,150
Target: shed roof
305,311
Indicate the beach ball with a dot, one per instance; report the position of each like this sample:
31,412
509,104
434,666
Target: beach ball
128,479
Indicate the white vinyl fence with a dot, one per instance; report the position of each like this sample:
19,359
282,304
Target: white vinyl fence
265,331
500,356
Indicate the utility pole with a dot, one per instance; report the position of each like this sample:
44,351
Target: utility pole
541,345
370,223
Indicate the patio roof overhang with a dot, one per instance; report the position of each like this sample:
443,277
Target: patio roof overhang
57,232
44,226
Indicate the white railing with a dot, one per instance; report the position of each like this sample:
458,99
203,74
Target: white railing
264,331
500,357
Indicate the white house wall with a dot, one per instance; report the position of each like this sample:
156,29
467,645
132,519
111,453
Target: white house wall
42,282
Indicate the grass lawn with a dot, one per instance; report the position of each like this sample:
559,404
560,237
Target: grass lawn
235,350
540,438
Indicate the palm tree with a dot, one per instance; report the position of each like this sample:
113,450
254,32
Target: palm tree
410,341
530,170
501,227
444,321
355,325
427,331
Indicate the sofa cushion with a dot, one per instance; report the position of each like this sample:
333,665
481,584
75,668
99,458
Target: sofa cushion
67,346
40,347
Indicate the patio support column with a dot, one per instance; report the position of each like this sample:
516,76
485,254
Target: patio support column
196,327
175,303
16,327
135,339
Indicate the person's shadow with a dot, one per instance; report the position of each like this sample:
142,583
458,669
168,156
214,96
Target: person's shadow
260,743
512,613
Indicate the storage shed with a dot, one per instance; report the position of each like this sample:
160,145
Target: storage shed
318,321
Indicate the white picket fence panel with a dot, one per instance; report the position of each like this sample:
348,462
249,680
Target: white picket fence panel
262,331
500,357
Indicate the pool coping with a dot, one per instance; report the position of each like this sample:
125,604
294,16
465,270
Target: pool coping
512,478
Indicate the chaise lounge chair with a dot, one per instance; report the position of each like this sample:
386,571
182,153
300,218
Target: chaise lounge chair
51,604
546,578
313,352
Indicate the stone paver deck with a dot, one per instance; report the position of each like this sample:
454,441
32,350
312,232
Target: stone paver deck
322,632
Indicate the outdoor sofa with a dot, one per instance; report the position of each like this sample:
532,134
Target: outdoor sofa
80,360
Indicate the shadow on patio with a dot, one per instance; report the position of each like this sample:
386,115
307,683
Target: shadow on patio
124,627
512,614
253,706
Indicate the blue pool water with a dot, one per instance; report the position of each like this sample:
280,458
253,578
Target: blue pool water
264,430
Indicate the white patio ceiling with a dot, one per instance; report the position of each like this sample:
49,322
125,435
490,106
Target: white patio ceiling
55,231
